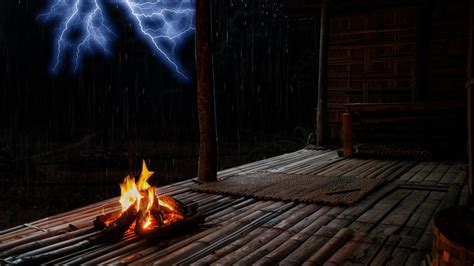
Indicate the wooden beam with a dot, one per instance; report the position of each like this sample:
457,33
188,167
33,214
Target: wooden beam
470,100
321,116
348,149
424,21
470,132
408,107
347,7
207,169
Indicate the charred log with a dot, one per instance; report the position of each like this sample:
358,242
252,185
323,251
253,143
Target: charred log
172,230
142,215
115,231
102,221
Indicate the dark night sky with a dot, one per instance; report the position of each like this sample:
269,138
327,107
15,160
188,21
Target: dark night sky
259,79
265,73
117,92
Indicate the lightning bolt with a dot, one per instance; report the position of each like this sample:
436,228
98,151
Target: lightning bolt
83,28
164,25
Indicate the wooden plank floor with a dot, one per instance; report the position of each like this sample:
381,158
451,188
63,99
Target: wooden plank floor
391,226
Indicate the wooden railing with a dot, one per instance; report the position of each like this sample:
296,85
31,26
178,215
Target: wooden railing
353,108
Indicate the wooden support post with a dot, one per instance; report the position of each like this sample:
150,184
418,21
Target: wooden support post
424,21
207,169
470,101
347,134
321,116
470,132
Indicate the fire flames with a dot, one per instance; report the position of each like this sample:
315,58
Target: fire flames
146,212
153,211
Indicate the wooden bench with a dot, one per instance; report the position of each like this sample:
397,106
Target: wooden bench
355,108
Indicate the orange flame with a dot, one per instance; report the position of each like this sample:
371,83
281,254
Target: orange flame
132,193
129,193
167,202
148,221
151,200
144,176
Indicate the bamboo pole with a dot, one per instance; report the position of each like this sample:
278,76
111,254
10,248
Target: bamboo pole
207,170
277,231
323,253
224,236
33,245
347,134
152,257
470,123
470,99
321,116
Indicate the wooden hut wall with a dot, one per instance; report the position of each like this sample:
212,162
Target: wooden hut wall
449,50
372,57
266,60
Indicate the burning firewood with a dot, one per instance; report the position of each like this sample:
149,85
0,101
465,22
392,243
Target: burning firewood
152,212
153,217
145,218
115,231
173,229
103,221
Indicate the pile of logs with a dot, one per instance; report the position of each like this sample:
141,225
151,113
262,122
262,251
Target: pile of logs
122,223
116,226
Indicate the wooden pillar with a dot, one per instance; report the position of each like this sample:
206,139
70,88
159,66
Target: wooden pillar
470,132
424,21
470,100
321,115
348,149
207,169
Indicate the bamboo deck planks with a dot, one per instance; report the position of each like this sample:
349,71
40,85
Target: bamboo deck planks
392,225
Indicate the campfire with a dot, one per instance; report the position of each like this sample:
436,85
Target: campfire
146,212
143,212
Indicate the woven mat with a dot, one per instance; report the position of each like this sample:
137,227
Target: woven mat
296,188
391,152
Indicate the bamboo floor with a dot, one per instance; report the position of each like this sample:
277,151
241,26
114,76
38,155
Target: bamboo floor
392,225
